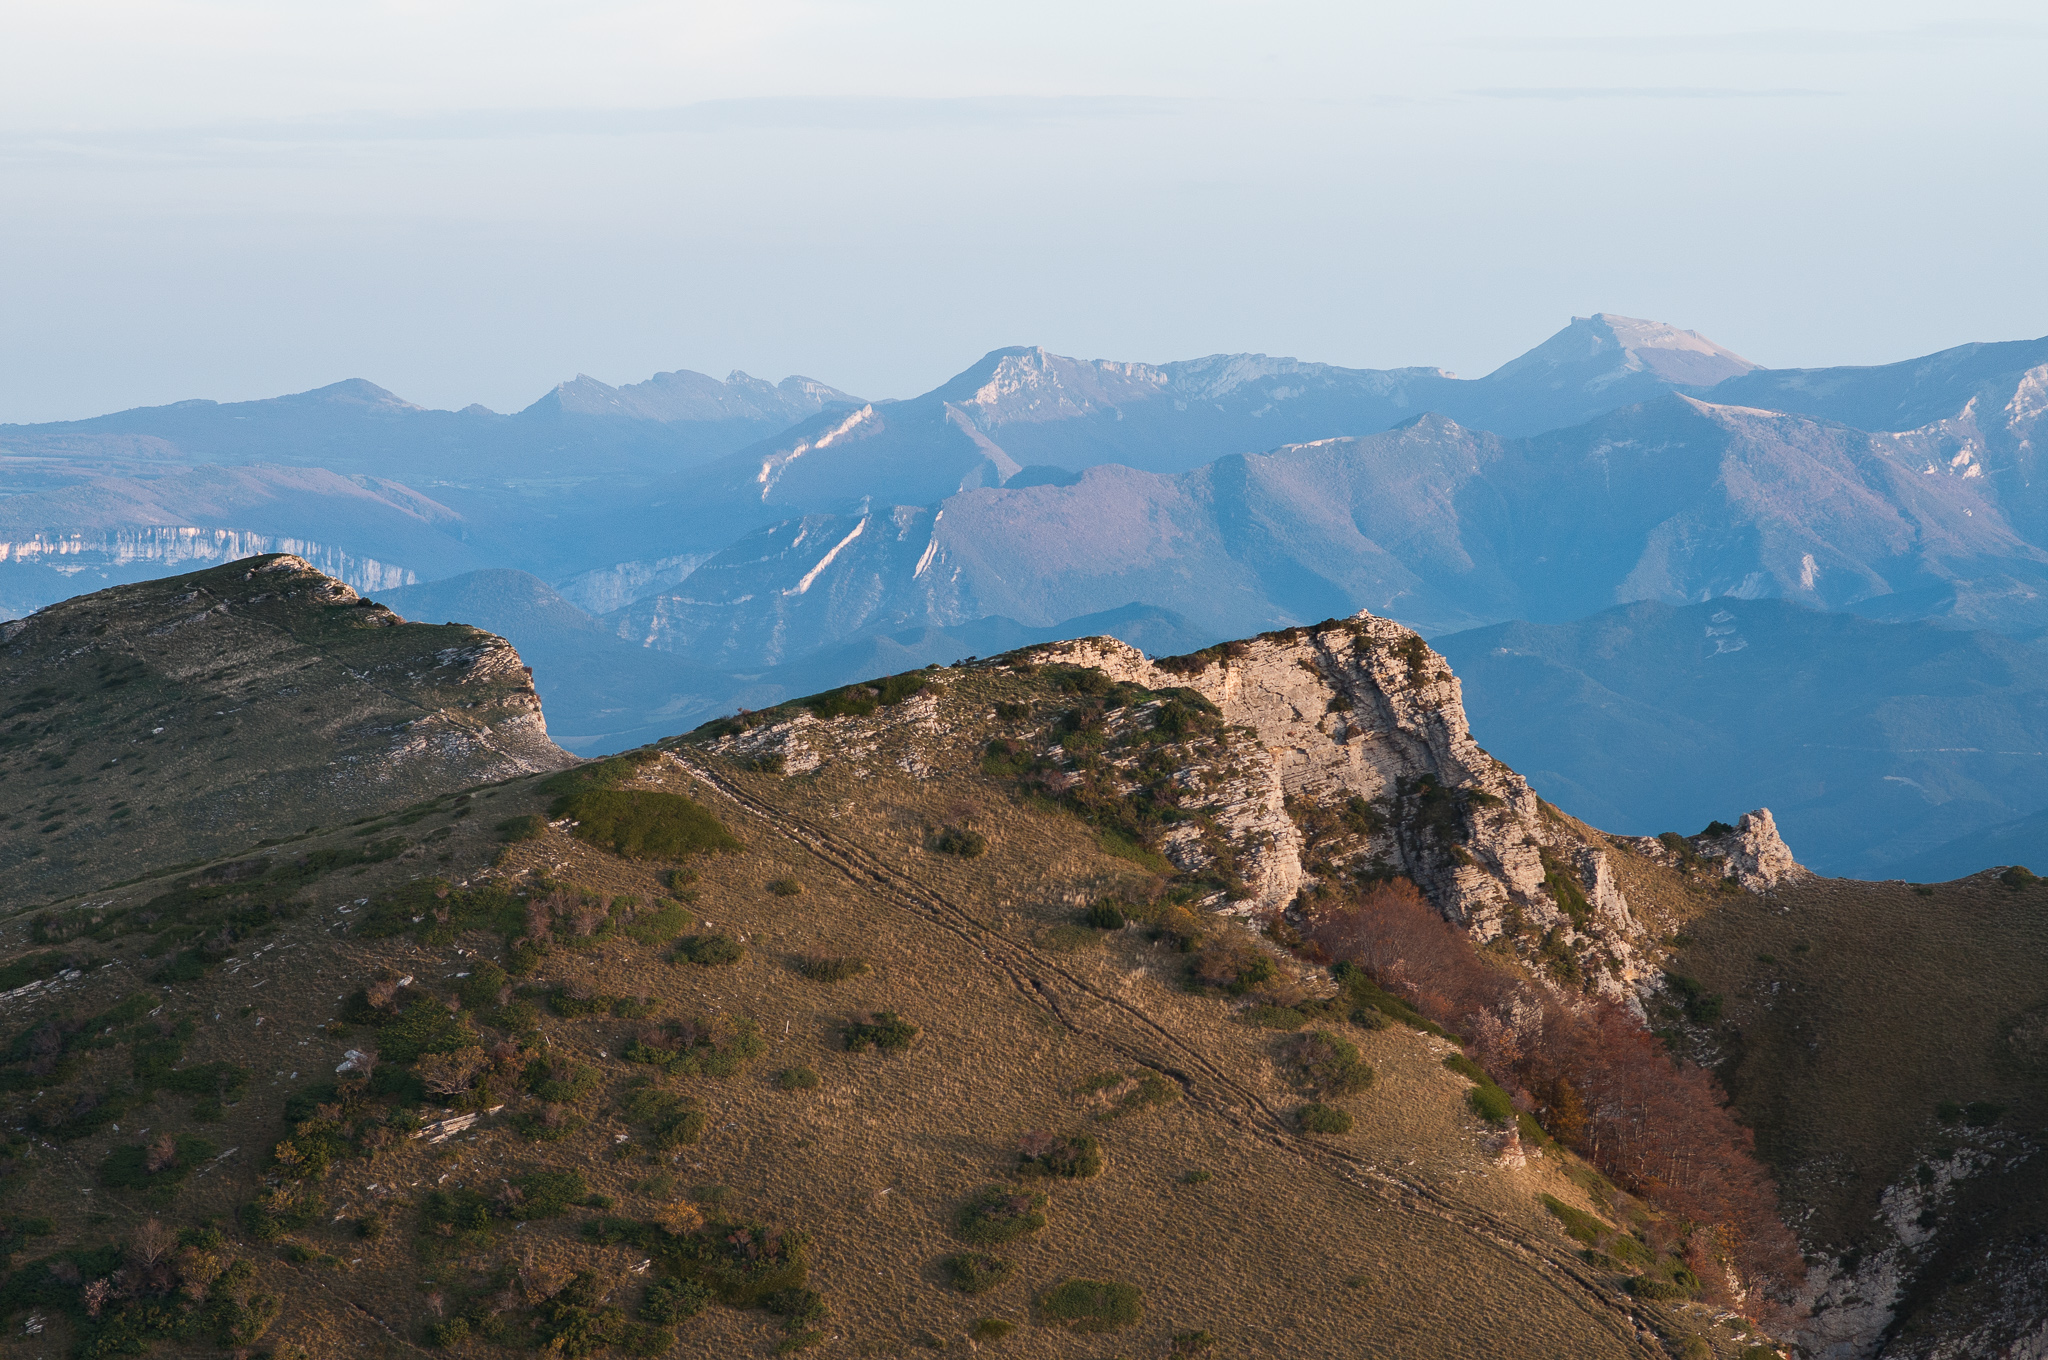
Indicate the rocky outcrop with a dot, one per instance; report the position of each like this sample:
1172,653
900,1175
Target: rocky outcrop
1360,713
1751,853
1754,854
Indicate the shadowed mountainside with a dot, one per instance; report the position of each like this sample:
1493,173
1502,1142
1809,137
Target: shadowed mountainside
181,719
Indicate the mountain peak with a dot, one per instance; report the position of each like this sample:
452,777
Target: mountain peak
1604,348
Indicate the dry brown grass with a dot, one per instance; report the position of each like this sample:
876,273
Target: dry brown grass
1877,1005
1398,1238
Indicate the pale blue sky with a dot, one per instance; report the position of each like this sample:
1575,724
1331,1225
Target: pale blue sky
471,201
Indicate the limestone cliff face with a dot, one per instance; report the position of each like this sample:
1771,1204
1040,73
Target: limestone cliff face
1363,710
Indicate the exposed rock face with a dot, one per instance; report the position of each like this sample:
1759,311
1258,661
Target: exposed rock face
1754,854
243,703
1363,709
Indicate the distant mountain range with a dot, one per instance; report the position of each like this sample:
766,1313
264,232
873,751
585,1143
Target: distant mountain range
733,542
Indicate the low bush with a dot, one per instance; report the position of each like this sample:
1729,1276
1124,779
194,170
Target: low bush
1107,914
1118,1095
1045,1154
719,1046
1369,999
961,841
797,1079
531,827
670,1120
1230,963
1325,1065
976,1272
997,1214
1579,1224
885,1030
1658,1290
1069,939
668,1302
1188,1344
643,824
1317,1117
1272,1017
1093,1305
709,951
830,967
786,886
660,923
559,1080
991,1329
1491,1103
1487,1099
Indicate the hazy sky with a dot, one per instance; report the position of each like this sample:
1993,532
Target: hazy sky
471,201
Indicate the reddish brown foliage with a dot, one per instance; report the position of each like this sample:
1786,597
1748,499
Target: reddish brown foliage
1595,1078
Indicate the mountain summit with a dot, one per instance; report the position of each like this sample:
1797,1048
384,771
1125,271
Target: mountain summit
1600,350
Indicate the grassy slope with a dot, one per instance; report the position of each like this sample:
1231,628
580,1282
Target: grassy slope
1453,1254
185,718
1879,1003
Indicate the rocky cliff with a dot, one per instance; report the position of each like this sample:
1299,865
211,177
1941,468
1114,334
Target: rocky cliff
1345,751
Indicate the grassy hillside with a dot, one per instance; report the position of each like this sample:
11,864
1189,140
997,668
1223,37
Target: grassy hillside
175,721
1889,1044
747,1052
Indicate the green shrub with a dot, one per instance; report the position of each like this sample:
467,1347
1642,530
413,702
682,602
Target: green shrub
1656,1290
1093,1305
1272,1017
643,824
484,986
716,1047
1491,1103
559,1080
715,950
797,1079
663,923
668,1302
1188,1344
1317,1117
513,830
1696,1348
1369,998
2017,877
885,1030
1577,1222
1197,1176
670,1120
830,967
1043,1154
976,1272
1067,939
961,841
1127,1094
1467,1069
787,886
1325,1065
997,1214
991,1329
1107,914
547,1194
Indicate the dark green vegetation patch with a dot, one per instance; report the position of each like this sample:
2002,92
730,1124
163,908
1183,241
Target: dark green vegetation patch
1093,1305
